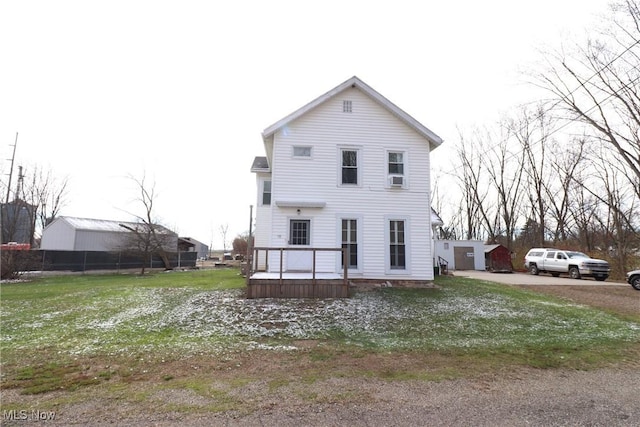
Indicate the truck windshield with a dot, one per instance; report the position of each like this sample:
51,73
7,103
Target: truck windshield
577,255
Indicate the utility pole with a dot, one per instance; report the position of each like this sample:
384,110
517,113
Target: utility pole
13,157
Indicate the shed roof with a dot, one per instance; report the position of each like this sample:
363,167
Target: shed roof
355,82
491,248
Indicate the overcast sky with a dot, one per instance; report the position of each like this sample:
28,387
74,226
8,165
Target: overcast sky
180,91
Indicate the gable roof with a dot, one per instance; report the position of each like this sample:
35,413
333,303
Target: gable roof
355,82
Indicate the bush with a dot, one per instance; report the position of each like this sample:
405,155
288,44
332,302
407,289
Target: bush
15,263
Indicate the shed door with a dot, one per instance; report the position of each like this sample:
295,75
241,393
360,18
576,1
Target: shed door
464,257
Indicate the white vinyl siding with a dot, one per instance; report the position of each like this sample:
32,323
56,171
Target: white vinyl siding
262,231
374,132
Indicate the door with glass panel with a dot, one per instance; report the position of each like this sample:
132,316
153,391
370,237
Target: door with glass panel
299,237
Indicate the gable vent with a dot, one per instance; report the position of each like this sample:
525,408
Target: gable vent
346,106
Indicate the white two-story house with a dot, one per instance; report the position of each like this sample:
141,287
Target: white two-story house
348,170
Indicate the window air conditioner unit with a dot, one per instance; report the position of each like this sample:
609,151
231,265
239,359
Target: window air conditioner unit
396,181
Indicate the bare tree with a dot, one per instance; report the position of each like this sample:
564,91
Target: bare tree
147,237
584,213
506,169
224,230
566,162
37,199
597,85
618,237
47,194
532,129
474,190
448,231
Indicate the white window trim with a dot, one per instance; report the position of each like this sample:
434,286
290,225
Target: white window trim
405,162
261,194
358,150
407,246
293,152
359,236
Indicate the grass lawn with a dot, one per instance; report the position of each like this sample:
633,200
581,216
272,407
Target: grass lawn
72,332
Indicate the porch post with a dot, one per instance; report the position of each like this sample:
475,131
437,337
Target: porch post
281,252
345,268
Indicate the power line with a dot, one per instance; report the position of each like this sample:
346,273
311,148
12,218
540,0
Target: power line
565,98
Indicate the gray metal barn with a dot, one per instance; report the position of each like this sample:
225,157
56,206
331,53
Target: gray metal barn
67,233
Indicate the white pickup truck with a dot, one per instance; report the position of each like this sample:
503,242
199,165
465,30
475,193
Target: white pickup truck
556,262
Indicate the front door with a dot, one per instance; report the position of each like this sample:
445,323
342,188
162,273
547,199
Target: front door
299,238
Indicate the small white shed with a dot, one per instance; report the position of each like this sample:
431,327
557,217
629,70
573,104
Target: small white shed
461,254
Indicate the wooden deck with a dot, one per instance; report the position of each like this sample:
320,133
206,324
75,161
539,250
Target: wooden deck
286,284
296,285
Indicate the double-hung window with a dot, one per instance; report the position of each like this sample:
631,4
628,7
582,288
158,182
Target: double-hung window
397,169
396,163
350,242
397,245
266,192
349,166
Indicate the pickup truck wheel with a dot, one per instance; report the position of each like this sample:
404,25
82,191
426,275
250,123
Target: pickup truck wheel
533,269
574,273
635,282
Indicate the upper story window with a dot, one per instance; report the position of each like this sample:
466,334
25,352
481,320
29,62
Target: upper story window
302,151
397,169
396,163
349,166
266,193
347,106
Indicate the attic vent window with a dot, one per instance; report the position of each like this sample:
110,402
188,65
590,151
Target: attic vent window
346,106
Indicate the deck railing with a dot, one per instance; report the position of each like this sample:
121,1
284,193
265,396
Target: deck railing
443,265
262,254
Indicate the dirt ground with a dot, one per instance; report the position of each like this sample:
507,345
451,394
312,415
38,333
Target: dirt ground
268,389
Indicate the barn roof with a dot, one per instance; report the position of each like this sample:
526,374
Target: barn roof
91,224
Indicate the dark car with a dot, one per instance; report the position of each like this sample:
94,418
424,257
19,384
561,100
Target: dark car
633,277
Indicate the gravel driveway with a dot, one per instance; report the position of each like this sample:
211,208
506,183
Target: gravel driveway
517,278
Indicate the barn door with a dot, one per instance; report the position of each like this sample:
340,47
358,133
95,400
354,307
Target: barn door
464,257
